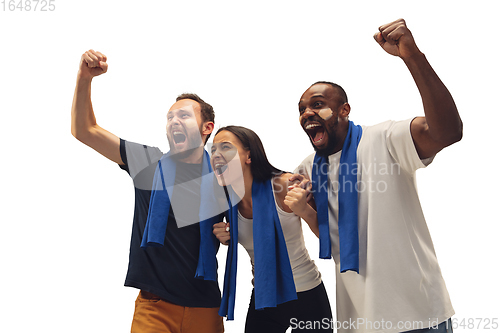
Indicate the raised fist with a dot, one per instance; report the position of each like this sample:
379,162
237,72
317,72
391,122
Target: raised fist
396,39
93,64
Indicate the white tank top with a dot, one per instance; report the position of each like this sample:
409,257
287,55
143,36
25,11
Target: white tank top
305,273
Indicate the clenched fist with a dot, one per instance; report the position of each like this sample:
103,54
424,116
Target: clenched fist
221,231
396,39
92,64
296,199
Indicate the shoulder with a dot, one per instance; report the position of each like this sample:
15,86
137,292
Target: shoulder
309,158
141,151
387,127
280,182
394,140
380,134
138,157
306,165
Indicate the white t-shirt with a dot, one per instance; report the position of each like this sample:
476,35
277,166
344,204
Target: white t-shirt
306,275
399,286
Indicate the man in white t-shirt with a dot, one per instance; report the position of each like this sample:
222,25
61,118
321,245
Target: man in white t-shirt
397,285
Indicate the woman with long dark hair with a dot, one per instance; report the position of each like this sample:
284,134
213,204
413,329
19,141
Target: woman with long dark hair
288,290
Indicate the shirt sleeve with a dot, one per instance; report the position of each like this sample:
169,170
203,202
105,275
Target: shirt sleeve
123,155
305,167
139,161
401,147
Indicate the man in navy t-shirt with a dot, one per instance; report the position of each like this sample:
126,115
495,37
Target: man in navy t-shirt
170,296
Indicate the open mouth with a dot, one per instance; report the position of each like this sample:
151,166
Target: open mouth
316,132
179,137
220,168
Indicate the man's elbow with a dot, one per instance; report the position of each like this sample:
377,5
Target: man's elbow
451,136
80,134
457,134
74,132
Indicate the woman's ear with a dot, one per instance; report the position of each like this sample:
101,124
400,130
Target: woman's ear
249,159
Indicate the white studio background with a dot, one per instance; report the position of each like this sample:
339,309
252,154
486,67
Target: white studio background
67,211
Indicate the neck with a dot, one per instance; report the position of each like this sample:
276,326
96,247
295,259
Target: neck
340,138
196,156
245,193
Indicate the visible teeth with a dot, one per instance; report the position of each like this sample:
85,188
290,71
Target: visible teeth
309,126
220,168
177,133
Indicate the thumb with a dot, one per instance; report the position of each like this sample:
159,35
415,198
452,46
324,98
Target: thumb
379,38
104,66
295,177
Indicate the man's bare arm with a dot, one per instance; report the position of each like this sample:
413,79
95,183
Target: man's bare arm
83,122
441,125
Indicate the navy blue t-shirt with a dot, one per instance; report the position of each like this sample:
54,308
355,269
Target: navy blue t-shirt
166,271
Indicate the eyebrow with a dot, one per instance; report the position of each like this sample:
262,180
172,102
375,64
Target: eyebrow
180,111
313,96
223,142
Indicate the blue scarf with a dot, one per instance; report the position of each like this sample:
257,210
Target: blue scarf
273,274
348,202
159,207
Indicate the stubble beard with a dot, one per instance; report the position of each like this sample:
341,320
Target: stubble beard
330,130
194,142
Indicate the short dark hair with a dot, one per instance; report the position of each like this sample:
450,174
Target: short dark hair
260,167
207,111
337,87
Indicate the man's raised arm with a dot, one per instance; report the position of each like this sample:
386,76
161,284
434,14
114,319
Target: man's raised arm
441,125
83,123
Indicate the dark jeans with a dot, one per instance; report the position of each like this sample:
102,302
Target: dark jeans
309,313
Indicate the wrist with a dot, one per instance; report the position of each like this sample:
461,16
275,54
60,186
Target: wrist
308,214
83,77
415,58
